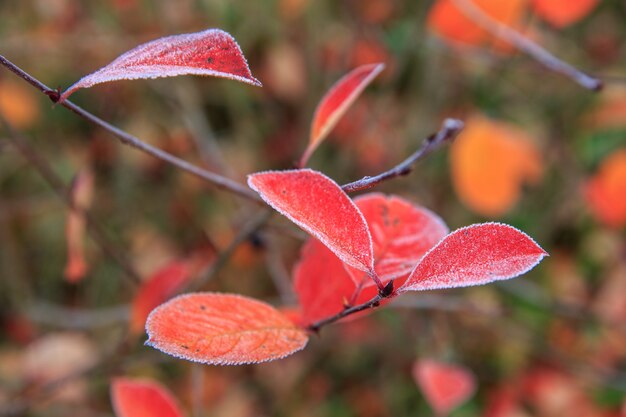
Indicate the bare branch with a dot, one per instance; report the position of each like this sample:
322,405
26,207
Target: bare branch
539,54
128,139
450,128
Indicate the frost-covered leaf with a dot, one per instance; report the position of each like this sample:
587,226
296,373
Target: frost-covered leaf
319,206
211,52
223,329
475,255
445,386
402,233
336,102
142,398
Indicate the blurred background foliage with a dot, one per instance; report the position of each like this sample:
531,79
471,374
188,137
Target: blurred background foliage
550,343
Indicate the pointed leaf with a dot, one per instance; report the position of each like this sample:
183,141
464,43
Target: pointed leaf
402,233
475,255
561,13
318,205
336,102
223,329
445,386
142,398
211,52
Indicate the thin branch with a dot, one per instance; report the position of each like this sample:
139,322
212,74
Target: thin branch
515,38
450,128
56,183
386,292
373,303
128,139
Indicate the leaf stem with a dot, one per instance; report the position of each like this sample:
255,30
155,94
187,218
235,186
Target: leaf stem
128,139
524,44
450,128
373,303
386,292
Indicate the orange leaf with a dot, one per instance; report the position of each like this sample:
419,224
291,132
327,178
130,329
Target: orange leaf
336,102
444,385
490,162
452,24
318,205
142,398
75,226
605,191
561,13
18,104
223,329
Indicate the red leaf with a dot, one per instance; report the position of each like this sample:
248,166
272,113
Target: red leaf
142,398
162,285
222,329
475,255
445,386
76,224
561,13
401,232
211,52
336,102
318,205
321,282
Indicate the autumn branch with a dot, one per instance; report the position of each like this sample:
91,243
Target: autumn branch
128,139
450,128
539,54
385,292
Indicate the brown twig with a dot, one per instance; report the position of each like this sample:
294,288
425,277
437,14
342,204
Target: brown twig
450,128
128,139
386,292
524,44
44,169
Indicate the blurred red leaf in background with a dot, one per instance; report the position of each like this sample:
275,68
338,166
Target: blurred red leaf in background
142,398
445,386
